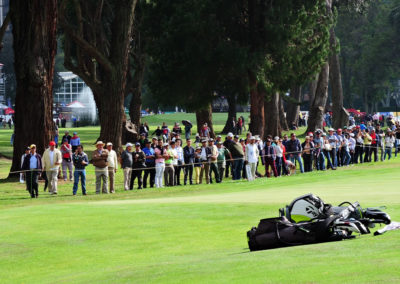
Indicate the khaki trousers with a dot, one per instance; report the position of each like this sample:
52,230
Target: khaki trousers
111,175
101,174
127,177
52,177
205,170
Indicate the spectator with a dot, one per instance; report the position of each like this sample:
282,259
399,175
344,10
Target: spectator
205,169
237,155
389,143
126,161
161,153
80,160
374,145
188,157
307,153
359,150
138,164
205,131
367,146
279,150
333,141
112,162
188,130
252,157
158,132
197,164
66,151
99,158
221,160
52,160
179,161
22,175
318,151
66,136
169,164
75,141
177,129
165,132
352,147
149,172
293,147
32,166
212,159
269,157
142,140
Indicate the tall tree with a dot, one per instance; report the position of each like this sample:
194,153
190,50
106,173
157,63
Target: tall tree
96,45
34,25
293,106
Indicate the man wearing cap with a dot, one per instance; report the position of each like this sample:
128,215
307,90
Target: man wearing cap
294,150
339,144
33,166
99,158
150,171
52,160
333,140
252,155
212,159
80,160
21,175
66,136
237,152
178,163
66,151
75,141
112,161
138,165
170,161
142,140
126,161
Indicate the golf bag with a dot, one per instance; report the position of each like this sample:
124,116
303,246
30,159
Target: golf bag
309,220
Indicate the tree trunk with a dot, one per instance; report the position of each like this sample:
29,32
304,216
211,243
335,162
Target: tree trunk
135,106
256,107
340,116
313,89
272,121
34,31
292,114
205,116
282,116
229,125
317,110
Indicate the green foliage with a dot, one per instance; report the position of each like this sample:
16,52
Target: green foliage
369,53
202,46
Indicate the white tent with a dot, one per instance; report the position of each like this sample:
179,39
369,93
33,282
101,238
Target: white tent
75,104
3,106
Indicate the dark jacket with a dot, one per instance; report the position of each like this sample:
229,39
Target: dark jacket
293,147
77,159
268,154
27,160
236,149
188,154
139,159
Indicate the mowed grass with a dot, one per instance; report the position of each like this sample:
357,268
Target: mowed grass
193,234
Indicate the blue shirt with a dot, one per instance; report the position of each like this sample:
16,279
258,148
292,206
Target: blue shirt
362,126
33,162
149,152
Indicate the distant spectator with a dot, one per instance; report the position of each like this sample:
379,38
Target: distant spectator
99,158
66,151
75,141
80,160
52,160
66,136
32,166
126,162
112,163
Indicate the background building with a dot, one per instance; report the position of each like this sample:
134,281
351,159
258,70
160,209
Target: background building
70,90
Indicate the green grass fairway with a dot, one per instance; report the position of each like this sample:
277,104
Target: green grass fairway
193,234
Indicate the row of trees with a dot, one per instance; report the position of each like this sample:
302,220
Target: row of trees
186,50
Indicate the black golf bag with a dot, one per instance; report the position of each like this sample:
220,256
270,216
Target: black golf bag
309,220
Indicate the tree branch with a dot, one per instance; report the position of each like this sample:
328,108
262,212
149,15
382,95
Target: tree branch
88,48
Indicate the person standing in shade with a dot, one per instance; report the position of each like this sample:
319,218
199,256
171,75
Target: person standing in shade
138,165
367,146
80,160
126,161
179,161
308,149
150,171
161,154
112,162
221,160
188,130
252,156
99,159
205,168
293,147
237,152
66,151
75,141
169,172
188,156
32,165
66,136
212,159
52,160
269,157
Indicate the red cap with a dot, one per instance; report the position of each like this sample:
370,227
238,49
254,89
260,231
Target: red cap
52,143
358,126
340,129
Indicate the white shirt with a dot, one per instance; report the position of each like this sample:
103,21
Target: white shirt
51,154
389,141
112,159
175,153
203,155
352,144
179,152
279,151
252,153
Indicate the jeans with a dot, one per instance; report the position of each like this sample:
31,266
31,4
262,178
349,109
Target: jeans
298,159
347,158
188,173
388,151
237,168
214,168
320,161
82,174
